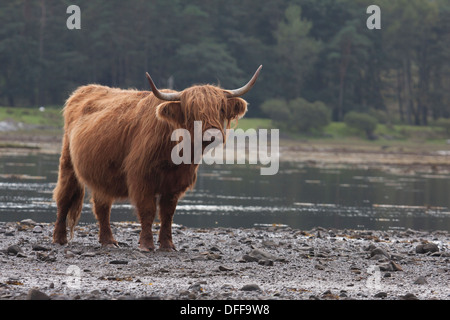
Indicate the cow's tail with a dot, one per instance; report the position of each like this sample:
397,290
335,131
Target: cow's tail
69,192
75,211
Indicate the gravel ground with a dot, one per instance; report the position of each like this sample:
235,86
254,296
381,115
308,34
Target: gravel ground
274,262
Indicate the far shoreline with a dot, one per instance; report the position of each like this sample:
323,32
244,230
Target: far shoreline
396,157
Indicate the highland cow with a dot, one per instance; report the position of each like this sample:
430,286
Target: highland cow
118,144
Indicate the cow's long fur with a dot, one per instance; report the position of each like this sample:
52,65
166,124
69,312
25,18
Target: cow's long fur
118,143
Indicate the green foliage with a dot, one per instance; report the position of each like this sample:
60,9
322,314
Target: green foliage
321,50
298,115
363,122
445,124
296,51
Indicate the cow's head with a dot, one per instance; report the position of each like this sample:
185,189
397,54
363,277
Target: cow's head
213,106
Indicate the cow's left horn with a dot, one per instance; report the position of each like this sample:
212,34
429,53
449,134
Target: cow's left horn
167,96
246,88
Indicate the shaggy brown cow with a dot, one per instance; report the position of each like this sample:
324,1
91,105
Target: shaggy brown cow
118,143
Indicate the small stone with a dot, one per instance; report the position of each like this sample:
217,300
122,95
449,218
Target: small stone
37,229
269,243
196,287
29,222
199,257
227,287
319,267
427,247
329,295
248,258
261,254
378,252
38,247
265,262
35,294
118,262
13,250
192,296
381,294
379,257
69,254
89,254
251,287
421,280
440,254
396,266
409,296
223,268
213,256
47,257
390,266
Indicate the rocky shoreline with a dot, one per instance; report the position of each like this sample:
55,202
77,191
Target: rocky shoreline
261,263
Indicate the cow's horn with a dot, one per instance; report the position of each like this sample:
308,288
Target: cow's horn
167,96
246,88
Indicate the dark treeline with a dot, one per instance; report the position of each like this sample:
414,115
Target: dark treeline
315,50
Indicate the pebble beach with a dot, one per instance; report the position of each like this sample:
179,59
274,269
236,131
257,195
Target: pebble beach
261,263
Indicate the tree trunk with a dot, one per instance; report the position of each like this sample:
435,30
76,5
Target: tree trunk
346,50
423,90
40,95
399,95
410,112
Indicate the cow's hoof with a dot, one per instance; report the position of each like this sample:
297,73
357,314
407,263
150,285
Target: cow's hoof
167,246
146,248
110,245
60,240
167,249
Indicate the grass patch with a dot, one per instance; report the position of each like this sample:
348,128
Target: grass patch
17,146
334,133
254,123
50,117
339,133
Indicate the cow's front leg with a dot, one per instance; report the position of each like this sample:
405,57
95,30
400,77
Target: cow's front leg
146,213
167,205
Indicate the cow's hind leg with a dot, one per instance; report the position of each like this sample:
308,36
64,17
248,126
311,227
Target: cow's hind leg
102,211
167,205
69,195
146,211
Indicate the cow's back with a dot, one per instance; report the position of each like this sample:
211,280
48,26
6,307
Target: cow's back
100,126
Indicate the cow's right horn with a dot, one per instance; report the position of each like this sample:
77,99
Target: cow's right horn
241,91
167,96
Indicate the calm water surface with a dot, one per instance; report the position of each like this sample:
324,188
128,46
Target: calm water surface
238,196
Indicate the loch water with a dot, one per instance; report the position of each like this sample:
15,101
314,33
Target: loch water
236,196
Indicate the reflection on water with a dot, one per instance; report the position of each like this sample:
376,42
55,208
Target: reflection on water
238,196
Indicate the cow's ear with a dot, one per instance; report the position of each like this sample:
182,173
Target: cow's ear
237,107
171,112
